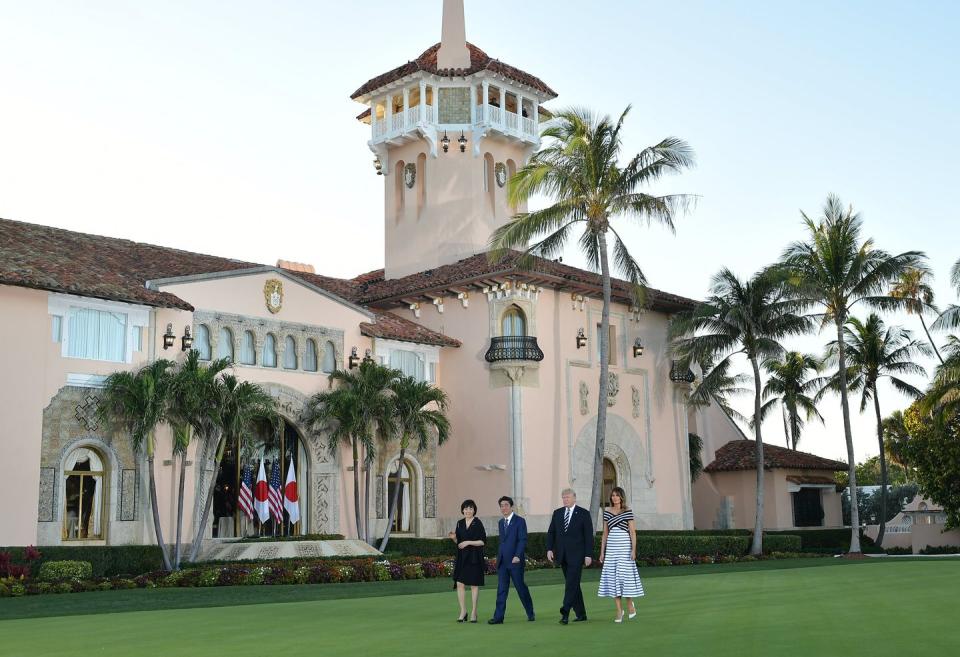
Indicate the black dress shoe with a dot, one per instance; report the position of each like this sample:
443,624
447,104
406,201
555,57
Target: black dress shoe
531,618
495,621
579,619
564,620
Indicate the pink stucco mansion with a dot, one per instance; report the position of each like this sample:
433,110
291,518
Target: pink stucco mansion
500,340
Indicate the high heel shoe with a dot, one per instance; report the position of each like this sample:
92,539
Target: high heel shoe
618,619
474,619
632,614
462,619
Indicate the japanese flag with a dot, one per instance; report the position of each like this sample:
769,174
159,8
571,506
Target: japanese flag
291,501
261,495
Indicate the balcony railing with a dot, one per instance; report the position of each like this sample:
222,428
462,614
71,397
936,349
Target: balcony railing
680,373
512,347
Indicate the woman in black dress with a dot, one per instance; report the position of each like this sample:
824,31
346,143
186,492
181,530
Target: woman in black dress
470,564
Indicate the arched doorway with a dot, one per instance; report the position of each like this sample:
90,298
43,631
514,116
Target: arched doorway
405,518
84,477
609,481
241,461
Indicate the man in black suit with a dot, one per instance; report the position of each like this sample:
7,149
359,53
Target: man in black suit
570,543
511,560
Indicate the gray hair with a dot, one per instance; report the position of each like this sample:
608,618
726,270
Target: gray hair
568,491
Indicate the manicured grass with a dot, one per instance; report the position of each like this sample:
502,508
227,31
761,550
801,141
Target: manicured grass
834,607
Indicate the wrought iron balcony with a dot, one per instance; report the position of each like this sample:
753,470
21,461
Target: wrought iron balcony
681,374
513,347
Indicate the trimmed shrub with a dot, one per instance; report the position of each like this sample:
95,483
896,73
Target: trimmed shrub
61,571
941,549
106,560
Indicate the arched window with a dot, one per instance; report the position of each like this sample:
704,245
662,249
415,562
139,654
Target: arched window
269,357
404,520
289,353
83,499
248,349
225,344
329,357
514,323
609,480
201,342
310,356
421,183
399,189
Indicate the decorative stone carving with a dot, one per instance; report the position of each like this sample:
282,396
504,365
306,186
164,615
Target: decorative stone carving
613,388
500,174
410,175
322,514
584,393
635,398
128,495
48,480
273,294
308,550
429,497
87,412
380,513
269,552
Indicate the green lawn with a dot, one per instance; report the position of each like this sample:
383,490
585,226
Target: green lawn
822,607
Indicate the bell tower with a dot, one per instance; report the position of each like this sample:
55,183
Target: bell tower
448,129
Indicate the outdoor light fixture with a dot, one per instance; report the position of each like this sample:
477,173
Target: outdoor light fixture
354,359
445,142
463,142
637,348
187,340
581,339
169,338
378,166
367,357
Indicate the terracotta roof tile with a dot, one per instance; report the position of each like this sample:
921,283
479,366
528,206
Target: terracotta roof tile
479,61
741,455
811,479
393,327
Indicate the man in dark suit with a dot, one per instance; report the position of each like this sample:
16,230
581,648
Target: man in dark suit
570,543
511,558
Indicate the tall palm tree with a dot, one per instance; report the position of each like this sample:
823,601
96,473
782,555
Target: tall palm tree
355,412
420,413
950,319
895,439
790,386
913,288
717,384
192,413
136,404
580,168
943,396
833,271
238,407
875,352
748,318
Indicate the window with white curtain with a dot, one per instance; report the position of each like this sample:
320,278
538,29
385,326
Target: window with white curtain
329,357
97,335
289,353
248,349
310,356
269,357
225,344
409,362
201,342
83,482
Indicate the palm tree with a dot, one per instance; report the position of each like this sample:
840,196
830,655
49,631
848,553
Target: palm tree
355,412
192,413
874,352
913,288
238,406
833,271
789,386
895,439
943,396
950,319
748,318
137,404
420,411
580,168
717,384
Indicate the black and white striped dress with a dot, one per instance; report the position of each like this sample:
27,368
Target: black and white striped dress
619,577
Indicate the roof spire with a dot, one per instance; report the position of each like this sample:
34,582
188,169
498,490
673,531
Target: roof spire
453,51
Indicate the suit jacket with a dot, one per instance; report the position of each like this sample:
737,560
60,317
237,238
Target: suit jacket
513,541
576,542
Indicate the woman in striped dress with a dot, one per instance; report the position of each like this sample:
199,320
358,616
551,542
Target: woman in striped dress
618,554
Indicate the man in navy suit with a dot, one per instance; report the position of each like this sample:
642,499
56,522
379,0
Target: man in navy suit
511,558
570,543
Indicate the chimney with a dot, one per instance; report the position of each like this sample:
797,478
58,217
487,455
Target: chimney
453,51
295,266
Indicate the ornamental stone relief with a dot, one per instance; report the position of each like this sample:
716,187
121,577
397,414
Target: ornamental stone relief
584,393
613,388
635,398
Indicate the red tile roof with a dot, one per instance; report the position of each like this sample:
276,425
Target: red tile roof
393,327
741,455
811,479
479,61
374,289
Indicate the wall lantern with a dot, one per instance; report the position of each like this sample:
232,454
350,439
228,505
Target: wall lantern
581,339
169,338
637,348
187,340
367,357
463,142
354,359
378,166
445,142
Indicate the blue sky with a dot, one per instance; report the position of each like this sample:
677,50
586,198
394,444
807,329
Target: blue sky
227,128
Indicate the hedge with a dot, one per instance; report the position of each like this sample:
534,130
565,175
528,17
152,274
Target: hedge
105,560
60,571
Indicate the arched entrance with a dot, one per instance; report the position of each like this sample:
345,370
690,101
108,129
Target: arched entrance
405,520
277,449
84,478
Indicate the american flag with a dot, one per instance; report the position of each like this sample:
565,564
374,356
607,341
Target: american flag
276,497
245,500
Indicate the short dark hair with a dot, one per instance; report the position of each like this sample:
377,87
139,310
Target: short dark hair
469,503
505,498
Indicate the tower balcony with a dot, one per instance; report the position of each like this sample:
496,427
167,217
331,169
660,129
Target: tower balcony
513,348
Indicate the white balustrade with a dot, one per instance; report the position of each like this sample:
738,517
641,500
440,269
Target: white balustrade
528,127
396,122
495,115
413,115
430,114
511,120
380,129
